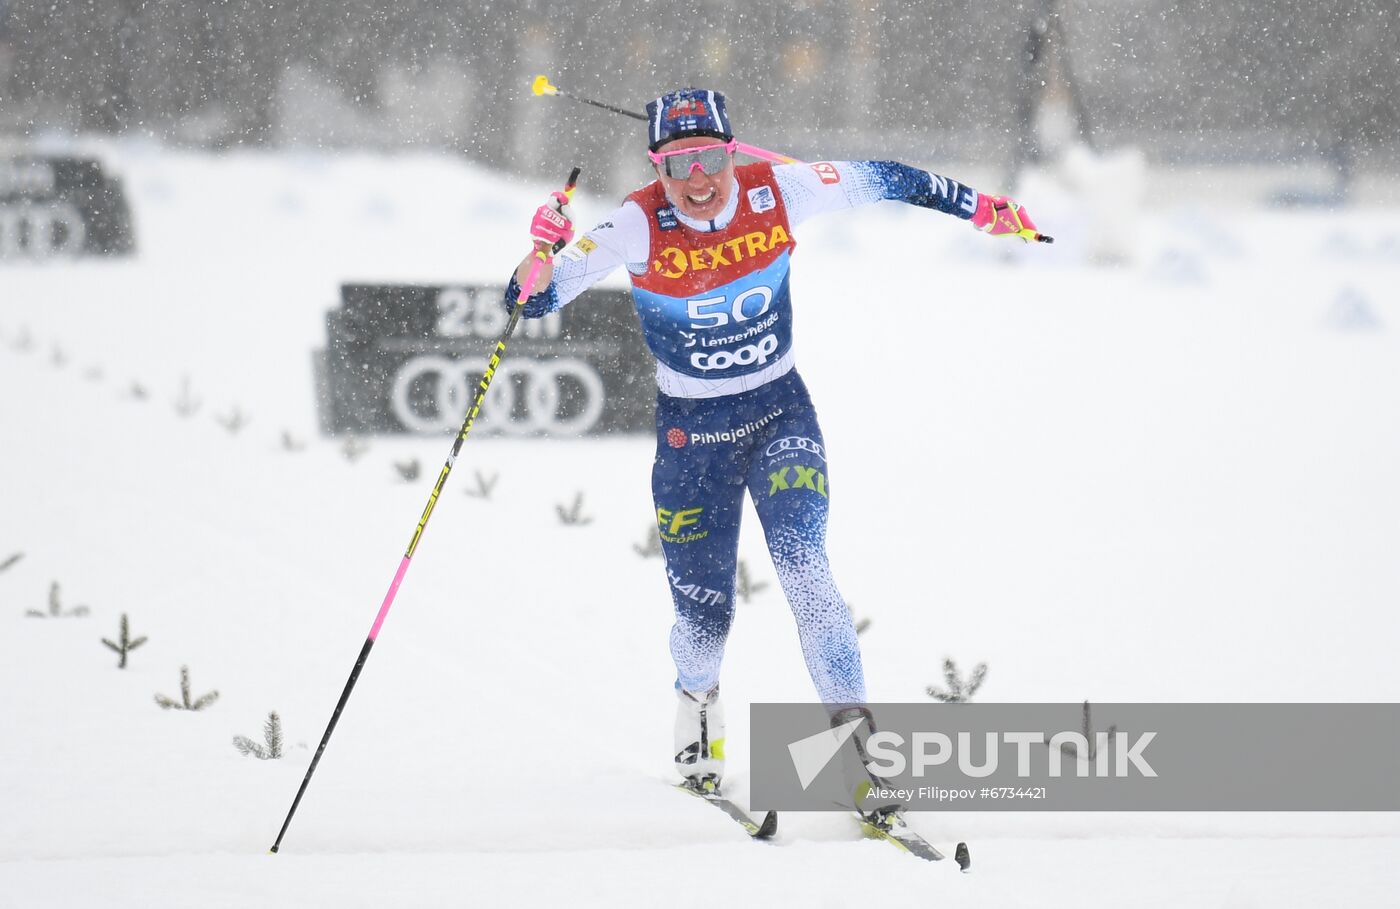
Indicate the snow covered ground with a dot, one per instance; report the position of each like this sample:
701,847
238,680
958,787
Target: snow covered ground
1169,480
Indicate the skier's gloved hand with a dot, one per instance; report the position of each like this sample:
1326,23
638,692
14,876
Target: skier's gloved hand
553,226
1003,217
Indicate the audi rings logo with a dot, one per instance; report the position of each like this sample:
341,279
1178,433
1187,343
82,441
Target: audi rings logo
743,356
43,230
558,397
795,443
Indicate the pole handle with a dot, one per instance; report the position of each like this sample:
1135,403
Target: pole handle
568,194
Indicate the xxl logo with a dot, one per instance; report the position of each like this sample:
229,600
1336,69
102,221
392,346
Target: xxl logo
797,477
41,230
673,262
432,394
747,355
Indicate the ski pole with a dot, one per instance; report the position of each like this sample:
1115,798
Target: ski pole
541,87
542,256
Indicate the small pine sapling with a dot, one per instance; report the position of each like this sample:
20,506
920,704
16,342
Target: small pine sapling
56,607
233,421
1087,730
651,546
408,470
573,516
124,643
58,358
271,747
483,486
291,442
186,404
353,448
861,624
959,691
137,391
185,702
745,586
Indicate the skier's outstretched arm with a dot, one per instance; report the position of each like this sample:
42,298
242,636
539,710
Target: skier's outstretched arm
620,239
812,189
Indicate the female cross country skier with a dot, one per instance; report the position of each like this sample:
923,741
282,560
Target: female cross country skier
708,246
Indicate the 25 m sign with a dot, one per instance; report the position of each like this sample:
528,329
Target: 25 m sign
407,359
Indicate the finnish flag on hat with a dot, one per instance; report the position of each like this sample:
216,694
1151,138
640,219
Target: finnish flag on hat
687,112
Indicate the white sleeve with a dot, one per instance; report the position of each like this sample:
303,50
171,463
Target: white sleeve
814,189
622,238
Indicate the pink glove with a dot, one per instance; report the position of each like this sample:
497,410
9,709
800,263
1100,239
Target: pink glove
553,224
1001,217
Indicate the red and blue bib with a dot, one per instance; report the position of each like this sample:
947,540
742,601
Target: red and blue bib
715,305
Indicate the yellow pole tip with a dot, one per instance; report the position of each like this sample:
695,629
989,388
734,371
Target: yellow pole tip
541,86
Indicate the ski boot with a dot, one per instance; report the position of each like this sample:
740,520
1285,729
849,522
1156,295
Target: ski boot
864,784
699,738
881,816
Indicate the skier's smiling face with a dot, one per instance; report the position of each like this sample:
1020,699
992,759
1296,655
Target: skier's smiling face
700,195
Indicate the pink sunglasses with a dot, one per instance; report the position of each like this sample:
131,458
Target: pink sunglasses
681,163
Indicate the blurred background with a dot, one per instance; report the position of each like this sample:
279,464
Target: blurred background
1267,83
252,254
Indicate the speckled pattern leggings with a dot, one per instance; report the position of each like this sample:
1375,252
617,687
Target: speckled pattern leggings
708,452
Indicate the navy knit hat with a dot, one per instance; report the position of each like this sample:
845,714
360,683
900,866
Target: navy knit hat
686,112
